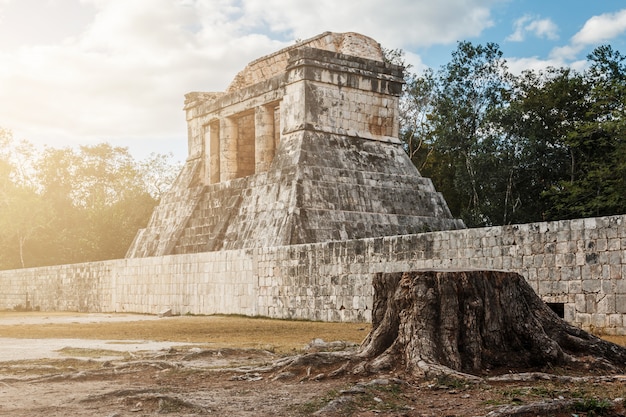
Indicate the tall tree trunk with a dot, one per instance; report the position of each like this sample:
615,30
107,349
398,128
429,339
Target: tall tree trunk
470,322
21,242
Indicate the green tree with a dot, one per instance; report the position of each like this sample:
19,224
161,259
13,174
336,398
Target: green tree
100,199
74,205
22,215
470,89
596,140
545,108
158,173
416,112
515,149
64,241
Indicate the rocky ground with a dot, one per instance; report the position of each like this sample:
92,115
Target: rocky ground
128,378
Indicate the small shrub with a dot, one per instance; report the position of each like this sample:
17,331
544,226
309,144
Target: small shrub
593,406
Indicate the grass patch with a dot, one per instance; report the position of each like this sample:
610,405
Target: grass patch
48,366
317,403
376,398
280,336
384,398
90,353
618,340
452,382
590,398
593,406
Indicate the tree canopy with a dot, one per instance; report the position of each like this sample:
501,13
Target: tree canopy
504,148
74,205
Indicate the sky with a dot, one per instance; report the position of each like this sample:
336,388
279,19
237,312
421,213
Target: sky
83,72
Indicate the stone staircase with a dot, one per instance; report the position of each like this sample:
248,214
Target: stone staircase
307,203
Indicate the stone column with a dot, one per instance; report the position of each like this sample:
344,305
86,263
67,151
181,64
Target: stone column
212,150
277,128
194,139
264,146
228,148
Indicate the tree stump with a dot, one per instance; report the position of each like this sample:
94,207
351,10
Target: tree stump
470,322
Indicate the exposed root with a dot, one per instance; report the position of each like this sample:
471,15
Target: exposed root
160,365
165,403
120,393
433,370
542,376
297,364
169,404
536,409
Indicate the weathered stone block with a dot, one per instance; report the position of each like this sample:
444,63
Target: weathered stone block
580,303
563,236
569,313
620,303
615,320
592,285
599,321
607,305
569,273
585,320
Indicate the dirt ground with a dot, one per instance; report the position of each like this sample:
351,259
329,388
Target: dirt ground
55,364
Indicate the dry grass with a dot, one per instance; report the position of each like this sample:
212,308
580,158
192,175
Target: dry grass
216,331
620,340
281,336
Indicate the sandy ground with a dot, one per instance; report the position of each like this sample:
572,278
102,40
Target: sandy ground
126,365
10,318
17,349
20,349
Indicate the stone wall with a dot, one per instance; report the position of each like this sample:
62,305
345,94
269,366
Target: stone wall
207,283
578,264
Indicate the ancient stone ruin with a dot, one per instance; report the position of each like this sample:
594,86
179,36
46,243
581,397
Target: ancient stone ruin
301,148
297,193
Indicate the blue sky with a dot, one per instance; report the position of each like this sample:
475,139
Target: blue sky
89,71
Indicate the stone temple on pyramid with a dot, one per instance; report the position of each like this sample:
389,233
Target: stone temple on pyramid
301,148
297,192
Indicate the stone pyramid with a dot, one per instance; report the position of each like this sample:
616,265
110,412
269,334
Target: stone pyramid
302,147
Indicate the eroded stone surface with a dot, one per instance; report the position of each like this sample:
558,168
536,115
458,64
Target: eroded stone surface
303,147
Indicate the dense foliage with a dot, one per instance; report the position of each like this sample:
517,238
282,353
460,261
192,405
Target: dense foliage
503,149
66,205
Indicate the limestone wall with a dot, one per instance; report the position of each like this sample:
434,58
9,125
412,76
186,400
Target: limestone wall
207,283
578,263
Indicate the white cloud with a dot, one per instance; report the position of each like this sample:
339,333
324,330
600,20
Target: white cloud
519,65
409,22
566,53
540,28
124,76
601,28
416,63
544,28
119,68
30,22
518,34
596,30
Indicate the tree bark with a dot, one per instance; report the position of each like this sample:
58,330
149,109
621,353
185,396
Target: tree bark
470,322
